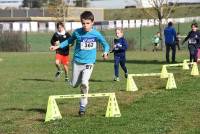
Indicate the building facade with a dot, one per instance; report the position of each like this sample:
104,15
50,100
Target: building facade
10,3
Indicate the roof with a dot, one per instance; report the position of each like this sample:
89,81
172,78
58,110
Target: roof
111,4
185,1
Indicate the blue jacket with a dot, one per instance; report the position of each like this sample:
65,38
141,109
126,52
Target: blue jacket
86,43
170,35
121,46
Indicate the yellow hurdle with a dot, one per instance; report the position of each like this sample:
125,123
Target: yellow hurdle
131,86
195,70
53,112
171,84
164,73
185,65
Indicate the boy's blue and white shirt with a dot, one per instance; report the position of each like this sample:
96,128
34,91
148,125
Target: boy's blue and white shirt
86,43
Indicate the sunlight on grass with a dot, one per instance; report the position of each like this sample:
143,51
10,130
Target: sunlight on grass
27,80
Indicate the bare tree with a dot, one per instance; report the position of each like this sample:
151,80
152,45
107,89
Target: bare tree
81,3
58,9
161,12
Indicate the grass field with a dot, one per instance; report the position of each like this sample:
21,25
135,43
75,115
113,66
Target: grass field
27,80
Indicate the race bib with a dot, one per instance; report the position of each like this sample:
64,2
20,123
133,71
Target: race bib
157,40
88,43
192,41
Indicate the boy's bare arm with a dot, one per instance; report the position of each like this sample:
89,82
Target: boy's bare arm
52,48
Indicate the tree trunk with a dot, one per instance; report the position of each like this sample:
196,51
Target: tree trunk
161,29
161,34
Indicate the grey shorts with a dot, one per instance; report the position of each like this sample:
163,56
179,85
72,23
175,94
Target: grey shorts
81,73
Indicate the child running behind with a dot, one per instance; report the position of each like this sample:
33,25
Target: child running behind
193,38
156,41
62,54
119,49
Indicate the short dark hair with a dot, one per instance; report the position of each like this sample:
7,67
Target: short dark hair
194,24
170,24
87,15
60,24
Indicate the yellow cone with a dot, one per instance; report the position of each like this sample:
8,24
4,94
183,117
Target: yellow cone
164,73
52,110
130,85
185,65
195,70
171,84
112,107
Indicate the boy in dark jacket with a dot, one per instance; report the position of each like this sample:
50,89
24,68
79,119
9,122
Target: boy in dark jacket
193,38
119,49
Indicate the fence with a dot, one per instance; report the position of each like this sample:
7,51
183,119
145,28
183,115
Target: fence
138,38
138,33
39,26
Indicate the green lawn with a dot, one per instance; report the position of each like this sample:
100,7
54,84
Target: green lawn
27,80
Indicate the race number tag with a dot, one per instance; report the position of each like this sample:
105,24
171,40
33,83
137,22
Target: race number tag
88,43
192,41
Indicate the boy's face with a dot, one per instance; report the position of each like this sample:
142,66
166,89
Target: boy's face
194,28
118,33
60,28
87,24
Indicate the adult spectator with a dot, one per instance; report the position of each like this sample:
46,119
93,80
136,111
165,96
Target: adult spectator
170,38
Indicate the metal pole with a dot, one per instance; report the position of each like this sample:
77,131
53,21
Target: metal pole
178,27
27,10
43,11
26,41
11,12
140,36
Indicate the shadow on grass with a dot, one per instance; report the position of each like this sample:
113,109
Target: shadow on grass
93,80
38,110
137,61
40,120
47,80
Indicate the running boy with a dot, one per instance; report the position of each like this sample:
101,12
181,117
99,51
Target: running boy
84,54
193,38
119,49
62,54
177,41
156,41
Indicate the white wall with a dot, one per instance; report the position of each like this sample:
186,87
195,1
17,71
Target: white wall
51,26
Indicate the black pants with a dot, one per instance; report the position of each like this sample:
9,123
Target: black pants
173,47
193,53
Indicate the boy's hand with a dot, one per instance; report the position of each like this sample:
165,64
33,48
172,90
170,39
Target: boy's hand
52,48
111,51
57,43
105,56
